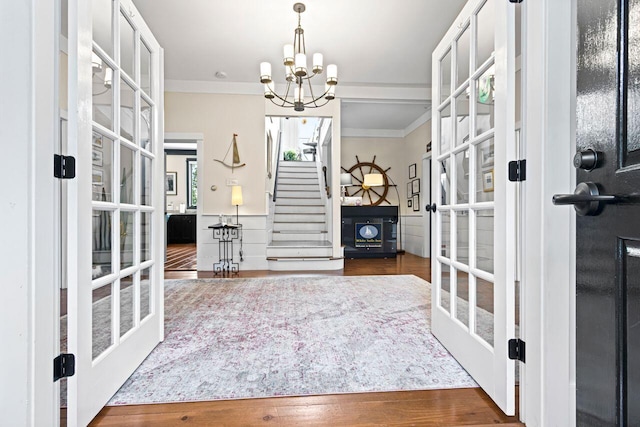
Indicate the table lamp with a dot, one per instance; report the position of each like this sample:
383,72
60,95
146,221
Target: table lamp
236,199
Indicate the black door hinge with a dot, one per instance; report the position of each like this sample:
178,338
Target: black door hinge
517,350
517,170
64,366
64,166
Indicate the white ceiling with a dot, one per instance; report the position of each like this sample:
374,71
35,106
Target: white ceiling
382,48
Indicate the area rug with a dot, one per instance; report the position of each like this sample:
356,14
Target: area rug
250,338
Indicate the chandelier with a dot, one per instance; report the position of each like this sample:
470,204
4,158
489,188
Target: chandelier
296,74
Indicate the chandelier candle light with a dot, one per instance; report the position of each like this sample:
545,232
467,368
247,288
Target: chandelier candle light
296,74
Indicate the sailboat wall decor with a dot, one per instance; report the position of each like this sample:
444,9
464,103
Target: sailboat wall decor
236,157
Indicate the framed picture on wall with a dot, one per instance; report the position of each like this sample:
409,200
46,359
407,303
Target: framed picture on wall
412,171
415,201
415,186
171,183
409,192
487,181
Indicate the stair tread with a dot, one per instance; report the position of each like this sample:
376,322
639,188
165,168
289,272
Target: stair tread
300,243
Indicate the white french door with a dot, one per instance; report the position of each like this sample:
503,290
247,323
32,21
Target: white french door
115,204
473,251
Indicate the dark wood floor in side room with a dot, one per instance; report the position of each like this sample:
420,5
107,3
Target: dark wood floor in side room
453,407
181,256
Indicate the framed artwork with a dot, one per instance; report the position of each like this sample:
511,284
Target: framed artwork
96,177
415,186
97,140
415,201
409,192
412,171
96,157
171,183
486,156
409,203
487,181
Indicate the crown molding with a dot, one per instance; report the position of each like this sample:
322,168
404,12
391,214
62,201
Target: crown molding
372,133
418,122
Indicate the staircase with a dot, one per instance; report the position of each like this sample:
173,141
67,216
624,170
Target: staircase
300,234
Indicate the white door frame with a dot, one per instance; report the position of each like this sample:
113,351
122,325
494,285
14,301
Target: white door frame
547,382
28,115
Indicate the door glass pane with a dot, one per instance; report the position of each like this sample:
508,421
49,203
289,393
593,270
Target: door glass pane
127,118
145,180
462,179
445,76
463,56
126,239
445,227
101,325
127,42
462,237
145,295
145,124
145,236
127,162
484,310
145,68
462,118
102,93
102,168
484,171
486,25
445,182
485,111
445,288
484,240
445,129
103,24
101,245
462,301
127,302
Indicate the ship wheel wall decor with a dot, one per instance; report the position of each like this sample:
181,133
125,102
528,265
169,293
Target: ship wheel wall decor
372,196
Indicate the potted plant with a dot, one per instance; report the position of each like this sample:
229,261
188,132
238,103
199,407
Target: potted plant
290,155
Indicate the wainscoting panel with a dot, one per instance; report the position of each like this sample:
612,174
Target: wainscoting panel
413,237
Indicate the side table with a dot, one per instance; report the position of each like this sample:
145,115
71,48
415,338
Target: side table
225,234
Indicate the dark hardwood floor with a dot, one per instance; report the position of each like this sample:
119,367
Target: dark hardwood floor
181,256
453,407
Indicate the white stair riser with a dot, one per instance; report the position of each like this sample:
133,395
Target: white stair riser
285,226
296,175
299,217
275,252
285,201
297,165
288,237
298,194
298,187
306,264
298,180
301,209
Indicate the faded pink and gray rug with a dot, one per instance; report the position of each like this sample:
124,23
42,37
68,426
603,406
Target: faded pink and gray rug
248,338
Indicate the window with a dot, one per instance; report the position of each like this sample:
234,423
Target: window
192,183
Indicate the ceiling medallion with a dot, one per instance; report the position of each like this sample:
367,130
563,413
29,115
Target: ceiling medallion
296,74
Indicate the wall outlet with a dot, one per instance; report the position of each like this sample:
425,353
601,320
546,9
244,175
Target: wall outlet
231,182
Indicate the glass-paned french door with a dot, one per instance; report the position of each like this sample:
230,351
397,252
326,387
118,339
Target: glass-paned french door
473,253
116,201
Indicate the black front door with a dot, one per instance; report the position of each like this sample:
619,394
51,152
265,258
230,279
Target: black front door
608,231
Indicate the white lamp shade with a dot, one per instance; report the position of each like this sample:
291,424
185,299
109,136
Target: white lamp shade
265,72
301,64
236,195
330,91
96,63
373,180
317,63
288,54
332,74
268,91
345,179
108,77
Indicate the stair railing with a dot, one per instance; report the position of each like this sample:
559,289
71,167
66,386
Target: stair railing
275,179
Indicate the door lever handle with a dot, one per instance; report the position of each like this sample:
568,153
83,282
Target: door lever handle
586,200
